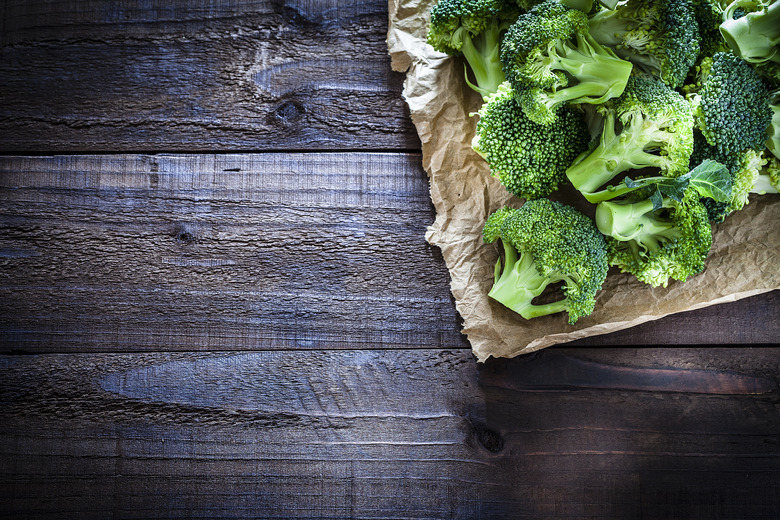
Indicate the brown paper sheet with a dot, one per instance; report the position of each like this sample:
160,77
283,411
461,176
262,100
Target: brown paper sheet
744,261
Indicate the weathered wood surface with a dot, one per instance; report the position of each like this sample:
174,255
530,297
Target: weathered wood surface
249,251
199,75
213,252
213,330
392,434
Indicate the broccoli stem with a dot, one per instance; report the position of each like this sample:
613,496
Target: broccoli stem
755,36
615,154
482,53
764,185
593,71
519,283
637,222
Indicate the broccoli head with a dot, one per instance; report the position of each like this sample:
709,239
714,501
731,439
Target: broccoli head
656,240
649,126
731,108
709,15
473,29
660,37
550,60
751,29
546,243
743,168
529,159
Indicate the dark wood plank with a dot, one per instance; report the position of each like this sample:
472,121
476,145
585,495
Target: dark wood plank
193,75
265,251
219,252
612,433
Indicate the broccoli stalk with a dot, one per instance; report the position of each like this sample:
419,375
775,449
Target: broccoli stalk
661,37
649,125
473,29
638,222
773,130
550,60
768,179
483,57
544,243
656,243
661,230
519,282
755,36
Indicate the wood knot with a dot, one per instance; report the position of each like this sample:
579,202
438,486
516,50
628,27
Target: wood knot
489,439
288,112
183,235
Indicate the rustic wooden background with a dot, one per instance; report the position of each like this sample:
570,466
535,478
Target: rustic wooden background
216,300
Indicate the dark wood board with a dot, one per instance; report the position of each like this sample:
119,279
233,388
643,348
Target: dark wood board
216,300
249,251
199,76
690,433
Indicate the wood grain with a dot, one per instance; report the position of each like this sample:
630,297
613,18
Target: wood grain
198,75
213,252
248,251
383,434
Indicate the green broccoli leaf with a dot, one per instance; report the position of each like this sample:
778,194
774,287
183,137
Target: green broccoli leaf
712,179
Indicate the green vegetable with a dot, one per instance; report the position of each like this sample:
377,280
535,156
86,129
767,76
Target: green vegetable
751,28
743,168
658,234
768,179
550,59
528,158
732,107
773,130
660,37
649,125
473,29
544,243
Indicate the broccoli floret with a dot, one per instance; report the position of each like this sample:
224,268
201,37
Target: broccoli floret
473,29
709,15
545,243
732,106
649,125
751,29
743,168
657,242
529,159
550,59
585,6
660,37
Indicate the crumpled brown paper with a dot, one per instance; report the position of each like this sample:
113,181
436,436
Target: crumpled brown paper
744,260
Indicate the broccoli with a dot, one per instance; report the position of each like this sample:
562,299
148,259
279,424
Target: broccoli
550,59
709,15
529,159
772,142
751,29
547,242
731,108
649,125
585,6
768,179
660,37
743,170
473,29
658,237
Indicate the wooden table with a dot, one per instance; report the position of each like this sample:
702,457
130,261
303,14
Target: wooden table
217,300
